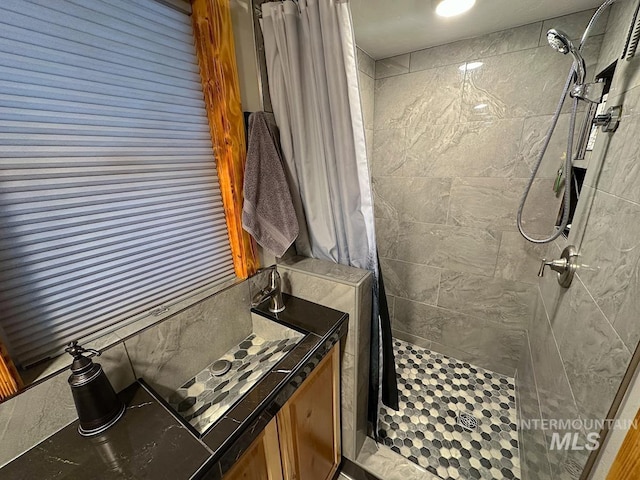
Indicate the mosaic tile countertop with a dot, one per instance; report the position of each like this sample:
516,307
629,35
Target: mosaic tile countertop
456,420
206,397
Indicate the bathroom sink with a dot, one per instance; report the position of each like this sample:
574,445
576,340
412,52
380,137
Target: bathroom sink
206,397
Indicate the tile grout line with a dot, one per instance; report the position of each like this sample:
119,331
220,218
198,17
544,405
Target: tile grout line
443,467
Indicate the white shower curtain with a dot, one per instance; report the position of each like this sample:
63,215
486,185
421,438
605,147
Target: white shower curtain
313,82
314,92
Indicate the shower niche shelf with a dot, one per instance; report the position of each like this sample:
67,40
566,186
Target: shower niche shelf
586,139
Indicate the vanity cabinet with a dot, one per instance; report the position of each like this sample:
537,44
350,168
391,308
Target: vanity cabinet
303,441
262,460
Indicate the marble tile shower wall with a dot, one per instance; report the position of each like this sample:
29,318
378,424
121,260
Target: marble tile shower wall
453,148
582,339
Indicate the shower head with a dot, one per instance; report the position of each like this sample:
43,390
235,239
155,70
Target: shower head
560,42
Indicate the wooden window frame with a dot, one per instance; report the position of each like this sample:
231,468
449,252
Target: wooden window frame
215,49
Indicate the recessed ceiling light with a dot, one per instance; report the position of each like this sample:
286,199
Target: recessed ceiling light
470,66
451,8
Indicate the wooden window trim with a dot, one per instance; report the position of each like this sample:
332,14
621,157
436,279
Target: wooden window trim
219,74
10,381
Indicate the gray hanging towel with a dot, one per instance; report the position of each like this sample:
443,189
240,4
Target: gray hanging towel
268,213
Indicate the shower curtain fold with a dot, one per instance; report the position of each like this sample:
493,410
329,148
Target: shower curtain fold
313,83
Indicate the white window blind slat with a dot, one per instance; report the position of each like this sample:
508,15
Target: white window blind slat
17,214
199,278
78,285
49,128
94,240
109,196
63,106
106,296
76,236
22,202
45,33
46,340
51,74
160,24
157,13
14,115
50,61
120,98
92,24
55,263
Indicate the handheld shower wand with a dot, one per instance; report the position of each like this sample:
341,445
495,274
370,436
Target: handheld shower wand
560,42
591,92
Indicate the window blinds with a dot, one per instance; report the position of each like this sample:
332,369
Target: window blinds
109,199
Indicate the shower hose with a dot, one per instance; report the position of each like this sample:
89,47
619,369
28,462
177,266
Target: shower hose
567,166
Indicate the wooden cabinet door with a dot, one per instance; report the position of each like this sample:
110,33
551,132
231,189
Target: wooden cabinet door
262,460
309,424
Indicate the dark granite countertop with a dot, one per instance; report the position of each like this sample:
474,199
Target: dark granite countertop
130,449
152,442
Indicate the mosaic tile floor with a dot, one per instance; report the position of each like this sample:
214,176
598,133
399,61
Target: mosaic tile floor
434,391
205,398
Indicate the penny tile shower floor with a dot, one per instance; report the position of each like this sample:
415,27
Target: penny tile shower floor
428,428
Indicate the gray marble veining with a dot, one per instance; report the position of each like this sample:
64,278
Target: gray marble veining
541,69
556,397
349,290
325,292
493,203
503,301
533,135
594,356
412,199
497,43
620,172
518,260
347,404
324,269
388,67
368,139
556,392
619,15
410,280
473,339
429,96
471,250
45,408
366,64
389,152
364,304
574,24
533,451
367,88
181,346
471,149
628,72
610,258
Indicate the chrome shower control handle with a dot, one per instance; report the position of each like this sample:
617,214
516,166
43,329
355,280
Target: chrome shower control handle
557,265
566,266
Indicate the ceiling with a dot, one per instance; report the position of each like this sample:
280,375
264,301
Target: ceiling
385,28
